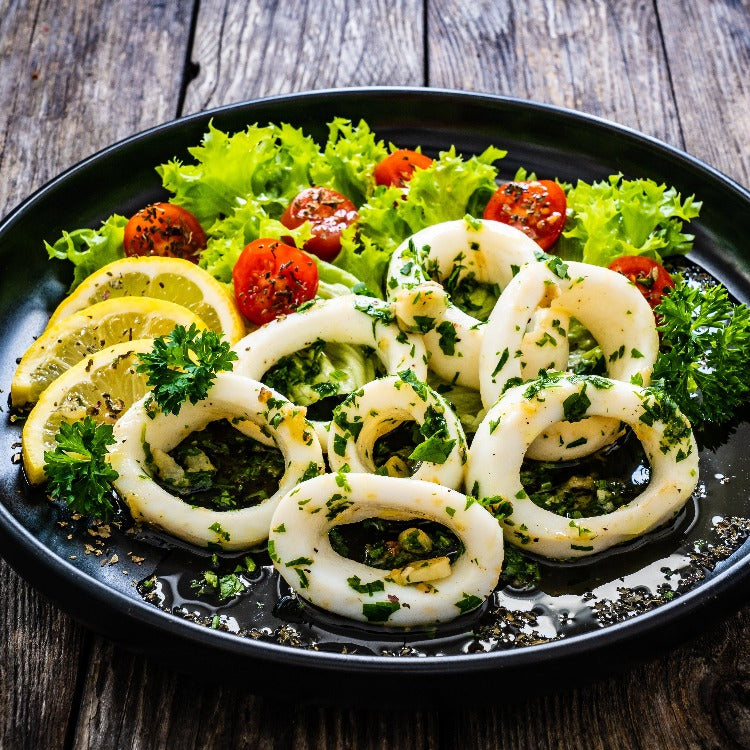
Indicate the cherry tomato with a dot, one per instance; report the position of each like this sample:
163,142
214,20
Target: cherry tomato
272,279
650,277
329,212
164,229
537,208
398,167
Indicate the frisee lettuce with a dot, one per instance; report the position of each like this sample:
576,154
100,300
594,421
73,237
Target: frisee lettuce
617,217
268,165
448,189
348,160
90,249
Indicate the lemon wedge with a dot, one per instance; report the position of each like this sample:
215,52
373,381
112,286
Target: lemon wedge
172,279
102,386
77,336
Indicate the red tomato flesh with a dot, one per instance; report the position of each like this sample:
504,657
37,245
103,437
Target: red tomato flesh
398,167
272,279
164,229
536,207
329,212
651,278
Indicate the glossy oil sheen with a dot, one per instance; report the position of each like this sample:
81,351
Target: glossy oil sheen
557,625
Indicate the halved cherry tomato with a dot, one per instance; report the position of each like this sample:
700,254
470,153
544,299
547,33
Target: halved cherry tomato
329,212
272,279
651,278
398,167
164,229
536,207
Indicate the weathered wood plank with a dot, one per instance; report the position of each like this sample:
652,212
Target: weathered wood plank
78,76
247,50
39,665
600,57
72,77
708,48
131,702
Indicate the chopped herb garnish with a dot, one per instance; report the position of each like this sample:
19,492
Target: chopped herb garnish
365,588
468,603
380,611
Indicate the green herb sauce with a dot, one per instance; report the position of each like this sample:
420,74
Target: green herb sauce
223,469
593,486
386,545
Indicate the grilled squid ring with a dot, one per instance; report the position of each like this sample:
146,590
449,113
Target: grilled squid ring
381,406
350,319
249,406
606,303
524,411
302,553
488,251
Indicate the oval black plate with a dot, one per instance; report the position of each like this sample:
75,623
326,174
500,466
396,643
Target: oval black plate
550,141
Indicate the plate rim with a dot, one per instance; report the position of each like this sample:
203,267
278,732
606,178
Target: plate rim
734,571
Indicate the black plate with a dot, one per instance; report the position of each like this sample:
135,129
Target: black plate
554,143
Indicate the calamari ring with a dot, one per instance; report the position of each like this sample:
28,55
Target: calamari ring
607,304
379,407
302,553
350,319
489,250
249,405
524,411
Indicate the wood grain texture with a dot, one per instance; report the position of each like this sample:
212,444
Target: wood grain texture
130,702
604,58
76,77
708,45
265,47
39,667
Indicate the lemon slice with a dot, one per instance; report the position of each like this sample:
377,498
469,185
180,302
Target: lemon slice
171,279
77,336
101,386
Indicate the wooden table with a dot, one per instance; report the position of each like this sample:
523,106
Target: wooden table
77,75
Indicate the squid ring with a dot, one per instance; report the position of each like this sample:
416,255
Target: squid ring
524,411
379,407
487,251
350,319
249,405
607,304
301,551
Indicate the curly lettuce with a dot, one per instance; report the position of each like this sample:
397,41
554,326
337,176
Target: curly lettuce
90,249
348,160
618,217
266,165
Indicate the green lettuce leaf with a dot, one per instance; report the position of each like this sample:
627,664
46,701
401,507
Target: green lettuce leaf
348,160
90,249
228,237
625,217
449,188
321,371
269,165
362,258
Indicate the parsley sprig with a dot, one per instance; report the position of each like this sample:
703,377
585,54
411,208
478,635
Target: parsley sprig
183,365
78,470
704,363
